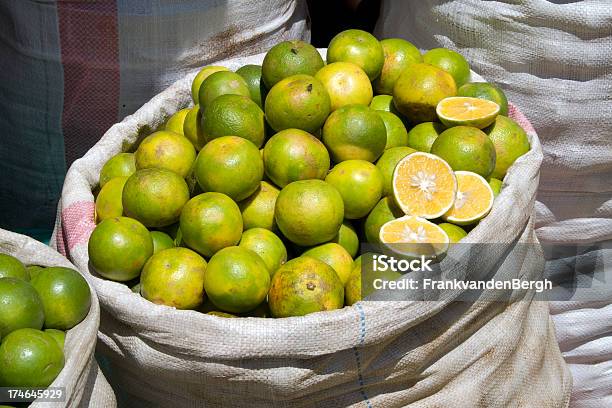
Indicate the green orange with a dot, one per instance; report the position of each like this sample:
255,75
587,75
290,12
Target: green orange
360,183
293,154
161,241
230,165
65,295
466,148
399,54
355,132
450,61
258,209
347,237
252,76
174,277
418,90
210,222
360,48
20,306
422,136
34,270
221,83
298,101
155,196
235,115
352,289
290,58
192,128
346,84
309,212
387,162
11,267
510,141
305,285
267,245
385,211
166,150
485,90
455,233
496,185
109,200
335,256
200,77
58,335
397,135
236,280
176,121
119,247
384,103
122,164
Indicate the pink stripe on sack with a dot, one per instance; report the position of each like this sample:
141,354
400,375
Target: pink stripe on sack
517,115
78,223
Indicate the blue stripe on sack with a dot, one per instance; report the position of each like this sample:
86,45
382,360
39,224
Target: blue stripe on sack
362,334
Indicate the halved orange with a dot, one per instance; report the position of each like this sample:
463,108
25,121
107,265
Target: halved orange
414,236
424,185
467,111
473,201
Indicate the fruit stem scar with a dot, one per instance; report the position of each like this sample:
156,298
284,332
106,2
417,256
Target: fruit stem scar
309,88
310,286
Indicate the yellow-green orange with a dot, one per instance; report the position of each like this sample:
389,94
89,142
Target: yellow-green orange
192,128
166,150
235,115
122,164
418,90
290,58
309,212
385,211
267,245
252,76
399,54
455,233
510,141
221,314
335,256
305,285
58,335
200,77
422,136
20,306
29,358
34,270
108,201
347,237
119,247
221,83
358,47
258,209
299,101
466,148
174,277
292,155
485,90
360,183
161,241
396,131
346,84
367,274
236,280
65,295
496,186
352,288
355,132
387,162
155,196
383,103
11,267
210,222
451,62
230,165
176,121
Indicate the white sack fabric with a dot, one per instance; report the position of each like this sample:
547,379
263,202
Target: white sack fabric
84,382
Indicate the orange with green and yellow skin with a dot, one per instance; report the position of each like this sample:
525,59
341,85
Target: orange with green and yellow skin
309,212
422,136
192,128
236,280
258,209
346,84
335,256
399,54
20,306
161,241
418,90
384,103
352,289
298,101
386,164
58,335
235,115
155,196
122,164
466,148
455,233
360,183
65,295
252,76
397,135
305,285
360,48
119,247
385,211
496,186
221,83
450,61
510,141
292,155
176,121
290,58
200,77
267,245
221,314
34,270
109,200
347,238
11,267
29,358
230,165
174,277
166,150
210,222
355,132
485,90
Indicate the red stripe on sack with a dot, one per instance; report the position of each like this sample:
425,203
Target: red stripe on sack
78,223
89,43
517,115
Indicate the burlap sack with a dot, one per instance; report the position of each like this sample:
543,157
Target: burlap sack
387,354
84,382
